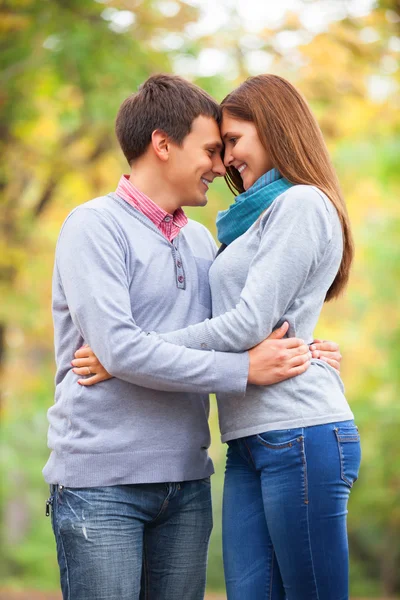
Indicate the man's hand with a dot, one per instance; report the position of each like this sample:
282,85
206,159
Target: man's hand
276,359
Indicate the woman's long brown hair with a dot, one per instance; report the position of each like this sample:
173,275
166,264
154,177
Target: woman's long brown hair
292,138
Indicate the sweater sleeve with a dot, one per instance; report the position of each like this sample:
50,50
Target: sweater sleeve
90,263
294,233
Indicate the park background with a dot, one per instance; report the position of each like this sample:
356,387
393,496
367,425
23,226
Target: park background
66,65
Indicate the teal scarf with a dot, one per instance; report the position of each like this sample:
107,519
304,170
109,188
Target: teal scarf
241,215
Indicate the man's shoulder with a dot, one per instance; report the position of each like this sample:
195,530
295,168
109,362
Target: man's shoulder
91,219
102,210
101,205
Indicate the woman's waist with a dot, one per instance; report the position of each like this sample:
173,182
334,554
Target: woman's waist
319,391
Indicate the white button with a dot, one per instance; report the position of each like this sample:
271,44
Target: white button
203,345
167,219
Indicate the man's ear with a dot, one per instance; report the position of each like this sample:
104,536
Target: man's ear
161,144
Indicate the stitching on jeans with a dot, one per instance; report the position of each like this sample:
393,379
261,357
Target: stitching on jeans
65,559
272,575
145,570
303,456
249,451
342,458
163,507
308,523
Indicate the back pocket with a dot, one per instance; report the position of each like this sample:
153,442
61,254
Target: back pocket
348,440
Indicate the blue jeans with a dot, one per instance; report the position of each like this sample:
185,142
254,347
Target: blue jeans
146,541
284,513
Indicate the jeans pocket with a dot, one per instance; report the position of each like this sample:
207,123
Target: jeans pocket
278,440
205,481
348,439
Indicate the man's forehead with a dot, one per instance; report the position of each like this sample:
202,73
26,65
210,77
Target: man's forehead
205,131
208,139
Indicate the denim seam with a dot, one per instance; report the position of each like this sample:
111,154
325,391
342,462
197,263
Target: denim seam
249,451
145,570
65,559
305,476
164,505
276,446
308,518
272,575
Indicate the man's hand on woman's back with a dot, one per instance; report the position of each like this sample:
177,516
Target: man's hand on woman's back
278,358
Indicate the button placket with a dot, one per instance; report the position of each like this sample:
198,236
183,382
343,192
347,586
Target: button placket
180,273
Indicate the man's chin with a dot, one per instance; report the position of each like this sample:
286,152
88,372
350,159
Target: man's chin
199,201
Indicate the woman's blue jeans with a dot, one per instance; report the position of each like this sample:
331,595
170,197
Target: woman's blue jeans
126,542
284,513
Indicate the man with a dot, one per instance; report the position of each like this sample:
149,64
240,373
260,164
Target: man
129,466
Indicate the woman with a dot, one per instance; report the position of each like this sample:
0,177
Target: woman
293,448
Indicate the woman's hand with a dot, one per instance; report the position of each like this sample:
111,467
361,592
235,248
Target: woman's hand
87,363
329,352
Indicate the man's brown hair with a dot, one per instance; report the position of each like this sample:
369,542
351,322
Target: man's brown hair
292,138
165,102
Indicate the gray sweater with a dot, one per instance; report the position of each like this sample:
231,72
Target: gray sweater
280,269
116,276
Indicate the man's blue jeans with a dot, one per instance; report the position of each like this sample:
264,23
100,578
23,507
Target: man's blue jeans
284,513
146,541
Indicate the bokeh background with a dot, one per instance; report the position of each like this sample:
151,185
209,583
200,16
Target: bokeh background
66,65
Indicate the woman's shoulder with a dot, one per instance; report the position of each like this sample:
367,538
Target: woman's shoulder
301,204
303,197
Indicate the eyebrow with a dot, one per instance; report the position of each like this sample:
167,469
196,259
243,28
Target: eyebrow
229,134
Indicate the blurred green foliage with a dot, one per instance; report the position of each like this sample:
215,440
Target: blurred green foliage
65,68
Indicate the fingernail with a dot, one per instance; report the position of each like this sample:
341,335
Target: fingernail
312,347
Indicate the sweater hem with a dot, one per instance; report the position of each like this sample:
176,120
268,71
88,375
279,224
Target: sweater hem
292,424
124,468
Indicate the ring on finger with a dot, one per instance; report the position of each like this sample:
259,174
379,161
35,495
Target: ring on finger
89,371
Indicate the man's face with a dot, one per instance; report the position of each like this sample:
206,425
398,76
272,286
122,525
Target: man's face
193,166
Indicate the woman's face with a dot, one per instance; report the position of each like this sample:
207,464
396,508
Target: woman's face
243,149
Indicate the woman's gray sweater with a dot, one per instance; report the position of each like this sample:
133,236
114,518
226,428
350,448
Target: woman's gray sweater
280,269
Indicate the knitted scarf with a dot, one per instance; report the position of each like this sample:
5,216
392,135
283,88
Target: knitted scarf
246,209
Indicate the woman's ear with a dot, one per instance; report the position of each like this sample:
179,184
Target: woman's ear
161,144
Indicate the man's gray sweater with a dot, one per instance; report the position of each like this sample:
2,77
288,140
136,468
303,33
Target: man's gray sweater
116,277
279,270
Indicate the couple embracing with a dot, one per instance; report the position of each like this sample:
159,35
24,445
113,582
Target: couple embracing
158,319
